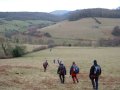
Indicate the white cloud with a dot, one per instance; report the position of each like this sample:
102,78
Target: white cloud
50,5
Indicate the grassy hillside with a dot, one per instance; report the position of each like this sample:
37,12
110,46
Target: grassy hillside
21,29
63,33
86,28
26,73
20,25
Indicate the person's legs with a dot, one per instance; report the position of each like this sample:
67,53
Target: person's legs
63,78
73,79
76,79
96,83
60,76
93,83
44,69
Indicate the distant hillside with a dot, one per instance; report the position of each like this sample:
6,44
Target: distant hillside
95,12
23,31
59,12
86,28
28,16
60,15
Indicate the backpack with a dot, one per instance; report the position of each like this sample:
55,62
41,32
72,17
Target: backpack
97,70
76,69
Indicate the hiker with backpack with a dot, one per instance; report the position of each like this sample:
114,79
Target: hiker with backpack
74,70
62,72
54,61
95,72
45,64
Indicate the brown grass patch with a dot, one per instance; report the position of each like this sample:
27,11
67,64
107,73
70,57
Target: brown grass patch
109,80
52,83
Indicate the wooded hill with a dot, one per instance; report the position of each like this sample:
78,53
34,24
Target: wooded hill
96,12
70,15
28,16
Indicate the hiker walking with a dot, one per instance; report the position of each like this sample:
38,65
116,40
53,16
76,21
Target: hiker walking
54,61
58,61
50,49
94,74
62,72
74,70
45,64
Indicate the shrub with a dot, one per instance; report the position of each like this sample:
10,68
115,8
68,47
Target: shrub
47,34
18,51
116,31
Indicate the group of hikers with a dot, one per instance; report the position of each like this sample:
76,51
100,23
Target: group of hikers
95,72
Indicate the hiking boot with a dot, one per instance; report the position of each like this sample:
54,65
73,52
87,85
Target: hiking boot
62,82
94,88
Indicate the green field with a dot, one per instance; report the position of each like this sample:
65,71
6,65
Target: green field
20,25
26,73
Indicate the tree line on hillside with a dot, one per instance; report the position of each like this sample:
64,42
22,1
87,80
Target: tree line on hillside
28,16
96,12
72,15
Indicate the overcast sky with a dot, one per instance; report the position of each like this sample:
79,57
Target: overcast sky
51,5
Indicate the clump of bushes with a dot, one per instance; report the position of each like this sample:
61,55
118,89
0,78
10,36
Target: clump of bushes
47,34
8,51
18,51
116,31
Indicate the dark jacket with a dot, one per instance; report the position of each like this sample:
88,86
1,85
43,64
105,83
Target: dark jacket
45,64
92,73
61,69
71,70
